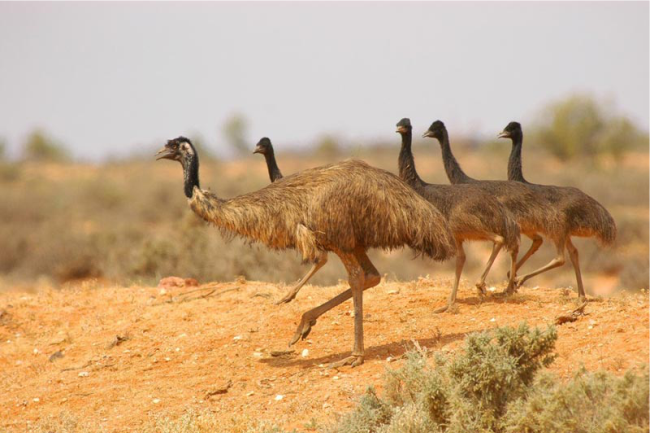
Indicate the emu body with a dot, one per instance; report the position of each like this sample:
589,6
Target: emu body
580,215
265,148
345,208
532,211
472,214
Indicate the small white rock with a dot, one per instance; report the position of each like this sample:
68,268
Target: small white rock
168,359
35,351
335,378
248,394
279,397
83,374
305,353
178,349
156,400
492,289
493,320
163,292
36,400
389,359
237,337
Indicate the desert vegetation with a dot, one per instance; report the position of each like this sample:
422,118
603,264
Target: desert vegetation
85,245
127,220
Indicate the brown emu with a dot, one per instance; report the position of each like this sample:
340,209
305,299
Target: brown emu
264,147
532,211
345,208
580,215
472,214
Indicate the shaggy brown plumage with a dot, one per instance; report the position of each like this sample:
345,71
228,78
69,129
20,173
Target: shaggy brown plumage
580,214
532,211
472,213
344,205
346,208
265,148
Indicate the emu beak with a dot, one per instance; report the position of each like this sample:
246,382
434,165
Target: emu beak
427,134
401,129
504,134
258,149
164,153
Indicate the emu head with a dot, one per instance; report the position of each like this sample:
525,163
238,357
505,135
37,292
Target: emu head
404,126
179,149
264,146
513,131
436,130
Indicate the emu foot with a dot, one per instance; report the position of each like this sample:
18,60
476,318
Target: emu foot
518,283
482,289
449,308
287,298
352,361
304,328
511,289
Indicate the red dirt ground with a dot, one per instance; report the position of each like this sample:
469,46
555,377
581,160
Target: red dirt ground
180,348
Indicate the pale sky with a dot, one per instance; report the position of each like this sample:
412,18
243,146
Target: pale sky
110,78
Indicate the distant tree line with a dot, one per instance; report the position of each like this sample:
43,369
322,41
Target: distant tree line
582,127
578,126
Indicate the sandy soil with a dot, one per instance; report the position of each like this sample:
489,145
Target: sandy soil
120,356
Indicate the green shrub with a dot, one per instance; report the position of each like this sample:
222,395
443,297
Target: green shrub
494,385
589,403
40,147
580,126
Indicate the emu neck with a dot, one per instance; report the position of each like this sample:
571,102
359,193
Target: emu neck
452,167
406,162
191,174
514,162
274,170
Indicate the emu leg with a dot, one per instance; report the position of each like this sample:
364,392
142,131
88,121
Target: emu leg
556,262
361,273
291,294
460,263
496,247
537,242
369,277
513,272
573,255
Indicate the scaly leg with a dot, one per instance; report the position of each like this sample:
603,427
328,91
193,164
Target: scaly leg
496,247
362,275
370,278
460,263
319,263
573,255
537,242
556,262
513,272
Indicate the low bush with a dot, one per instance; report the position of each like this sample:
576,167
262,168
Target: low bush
497,384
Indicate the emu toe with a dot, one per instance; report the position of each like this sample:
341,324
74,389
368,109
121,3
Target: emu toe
451,308
287,298
304,328
352,361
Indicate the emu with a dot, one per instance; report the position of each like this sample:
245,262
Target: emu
472,214
265,148
346,208
532,211
580,214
